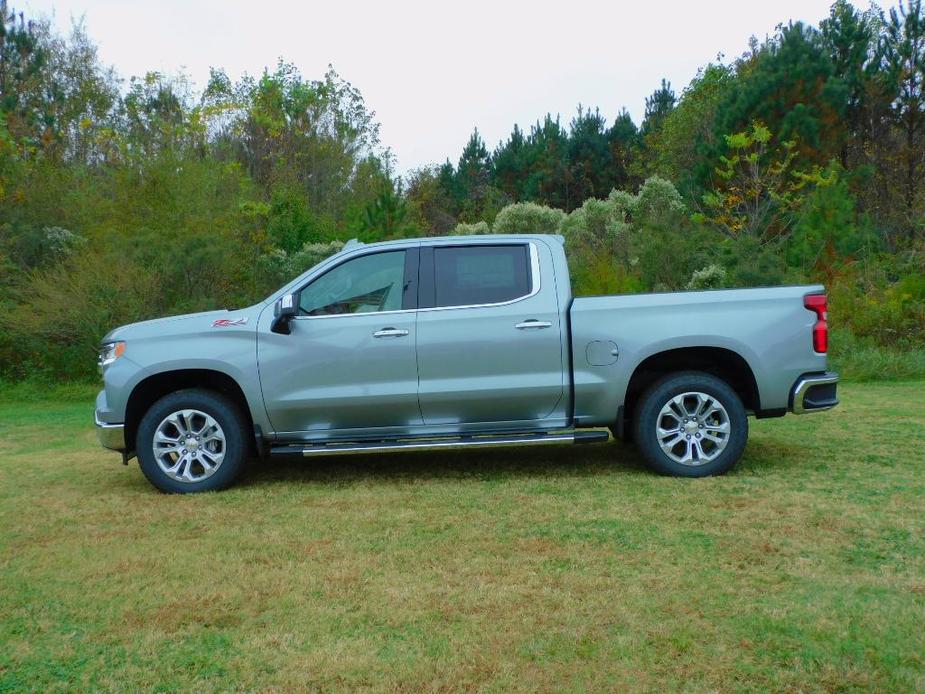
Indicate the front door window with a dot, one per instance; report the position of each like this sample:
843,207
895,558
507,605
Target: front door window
368,284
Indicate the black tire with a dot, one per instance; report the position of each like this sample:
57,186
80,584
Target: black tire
647,415
223,411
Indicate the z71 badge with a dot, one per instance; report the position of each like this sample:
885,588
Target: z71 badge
228,322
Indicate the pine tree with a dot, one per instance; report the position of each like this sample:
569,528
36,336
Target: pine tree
21,59
589,155
849,38
903,51
659,105
510,165
473,178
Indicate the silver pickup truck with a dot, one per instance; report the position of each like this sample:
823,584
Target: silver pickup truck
452,342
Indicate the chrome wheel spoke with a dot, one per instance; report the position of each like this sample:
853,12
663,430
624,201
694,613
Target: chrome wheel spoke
212,433
670,444
188,470
205,461
699,456
161,437
702,401
709,411
173,469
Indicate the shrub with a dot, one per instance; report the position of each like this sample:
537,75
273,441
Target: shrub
465,229
711,277
597,223
658,203
826,228
278,267
528,217
862,359
67,309
891,314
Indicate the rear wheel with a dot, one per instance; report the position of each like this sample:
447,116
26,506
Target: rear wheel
191,441
691,424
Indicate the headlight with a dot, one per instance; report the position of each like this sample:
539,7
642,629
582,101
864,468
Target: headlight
110,352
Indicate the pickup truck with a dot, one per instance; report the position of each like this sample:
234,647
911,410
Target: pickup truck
456,342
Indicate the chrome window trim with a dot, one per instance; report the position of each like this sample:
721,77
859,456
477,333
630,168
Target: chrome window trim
355,256
535,284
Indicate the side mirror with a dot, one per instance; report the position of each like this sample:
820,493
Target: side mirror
284,310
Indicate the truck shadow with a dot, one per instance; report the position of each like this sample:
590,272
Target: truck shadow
563,461
498,463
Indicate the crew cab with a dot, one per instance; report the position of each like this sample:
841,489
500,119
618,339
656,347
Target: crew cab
458,342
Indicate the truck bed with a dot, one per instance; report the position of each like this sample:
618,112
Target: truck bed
767,327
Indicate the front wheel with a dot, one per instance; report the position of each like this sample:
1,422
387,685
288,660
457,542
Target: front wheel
191,441
691,424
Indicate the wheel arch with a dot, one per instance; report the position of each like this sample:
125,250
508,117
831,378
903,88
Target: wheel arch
152,388
723,363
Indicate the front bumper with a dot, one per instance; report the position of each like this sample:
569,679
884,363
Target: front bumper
111,436
814,393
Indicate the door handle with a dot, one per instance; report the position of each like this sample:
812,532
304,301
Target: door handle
533,324
390,332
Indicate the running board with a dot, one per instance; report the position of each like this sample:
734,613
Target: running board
436,443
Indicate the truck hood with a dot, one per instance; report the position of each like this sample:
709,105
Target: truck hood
188,324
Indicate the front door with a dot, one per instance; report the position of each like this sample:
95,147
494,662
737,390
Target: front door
349,362
489,341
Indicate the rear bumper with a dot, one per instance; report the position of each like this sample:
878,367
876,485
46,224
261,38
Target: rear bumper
111,436
814,393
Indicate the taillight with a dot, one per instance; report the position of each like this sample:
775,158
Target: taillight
819,303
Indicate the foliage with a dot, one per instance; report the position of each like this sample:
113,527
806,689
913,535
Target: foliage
464,229
528,217
881,312
69,307
790,86
428,202
800,161
647,239
903,65
688,129
713,276
658,107
758,186
863,359
828,229
278,267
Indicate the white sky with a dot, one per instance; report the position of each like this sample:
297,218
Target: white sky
430,70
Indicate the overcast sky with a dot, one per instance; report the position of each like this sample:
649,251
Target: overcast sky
432,71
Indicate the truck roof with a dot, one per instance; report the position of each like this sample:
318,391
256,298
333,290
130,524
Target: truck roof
353,244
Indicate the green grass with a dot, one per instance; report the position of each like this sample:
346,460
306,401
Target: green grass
879,364
860,360
570,568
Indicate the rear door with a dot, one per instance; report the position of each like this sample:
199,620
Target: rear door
488,335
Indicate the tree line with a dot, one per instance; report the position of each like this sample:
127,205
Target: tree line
849,91
800,160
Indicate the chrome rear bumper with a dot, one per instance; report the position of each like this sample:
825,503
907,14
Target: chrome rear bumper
111,436
814,393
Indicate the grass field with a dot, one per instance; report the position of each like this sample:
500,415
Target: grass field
561,569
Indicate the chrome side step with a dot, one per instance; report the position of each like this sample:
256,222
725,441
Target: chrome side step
436,443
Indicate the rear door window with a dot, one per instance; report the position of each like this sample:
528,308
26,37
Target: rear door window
474,275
